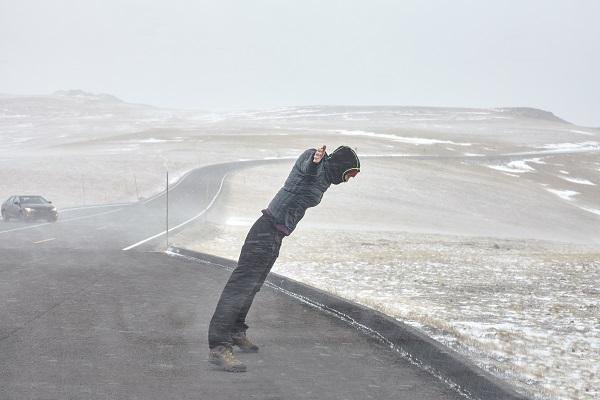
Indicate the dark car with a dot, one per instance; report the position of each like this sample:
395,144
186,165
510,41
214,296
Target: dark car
28,208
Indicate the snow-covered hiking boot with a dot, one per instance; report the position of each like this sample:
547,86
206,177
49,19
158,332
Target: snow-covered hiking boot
222,356
244,344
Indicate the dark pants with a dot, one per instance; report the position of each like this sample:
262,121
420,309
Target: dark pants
259,252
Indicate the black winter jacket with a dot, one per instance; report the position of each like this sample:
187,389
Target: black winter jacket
306,184
303,188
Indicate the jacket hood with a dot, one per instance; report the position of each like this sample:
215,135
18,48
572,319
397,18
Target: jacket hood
337,164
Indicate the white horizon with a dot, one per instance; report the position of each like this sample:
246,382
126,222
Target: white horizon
234,55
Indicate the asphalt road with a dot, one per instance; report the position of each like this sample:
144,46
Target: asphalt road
82,318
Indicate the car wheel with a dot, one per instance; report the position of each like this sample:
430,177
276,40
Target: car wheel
52,219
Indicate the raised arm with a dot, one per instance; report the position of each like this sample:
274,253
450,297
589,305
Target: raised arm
310,159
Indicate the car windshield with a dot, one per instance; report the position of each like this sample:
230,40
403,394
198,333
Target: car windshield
33,200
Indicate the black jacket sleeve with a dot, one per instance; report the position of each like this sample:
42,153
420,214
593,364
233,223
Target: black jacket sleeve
305,162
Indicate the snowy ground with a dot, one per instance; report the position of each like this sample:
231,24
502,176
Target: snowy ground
497,257
524,309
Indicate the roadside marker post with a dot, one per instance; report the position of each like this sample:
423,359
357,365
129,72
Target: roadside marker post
167,220
137,191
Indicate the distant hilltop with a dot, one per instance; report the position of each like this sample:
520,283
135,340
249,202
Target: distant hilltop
534,113
80,94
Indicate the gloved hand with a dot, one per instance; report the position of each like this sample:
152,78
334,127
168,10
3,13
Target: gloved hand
320,153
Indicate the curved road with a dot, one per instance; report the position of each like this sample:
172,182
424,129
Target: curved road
116,227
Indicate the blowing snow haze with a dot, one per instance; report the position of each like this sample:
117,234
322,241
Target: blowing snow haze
264,54
474,218
506,197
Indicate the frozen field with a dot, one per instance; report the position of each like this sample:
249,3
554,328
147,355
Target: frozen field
525,309
498,257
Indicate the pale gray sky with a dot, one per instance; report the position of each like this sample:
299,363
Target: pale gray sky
263,53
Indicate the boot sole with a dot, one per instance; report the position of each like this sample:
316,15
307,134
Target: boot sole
240,368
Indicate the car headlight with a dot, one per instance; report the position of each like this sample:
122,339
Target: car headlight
27,209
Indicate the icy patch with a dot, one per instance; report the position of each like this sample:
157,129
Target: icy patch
536,160
153,140
592,210
121,149
563,194
519,166
582,132
578,180
473,155
583,146
562,171
403,139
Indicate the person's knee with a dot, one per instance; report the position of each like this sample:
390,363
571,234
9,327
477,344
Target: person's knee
239,282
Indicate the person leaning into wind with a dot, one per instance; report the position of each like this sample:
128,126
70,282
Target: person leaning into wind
312,174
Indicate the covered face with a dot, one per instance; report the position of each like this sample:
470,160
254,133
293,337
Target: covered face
342,164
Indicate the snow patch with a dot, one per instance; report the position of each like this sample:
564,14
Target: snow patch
592,210
154,140
579,181
536,160
403,139
563,194
582,132
121,149
583,146
518,166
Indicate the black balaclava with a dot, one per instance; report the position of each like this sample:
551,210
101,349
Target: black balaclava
337,164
